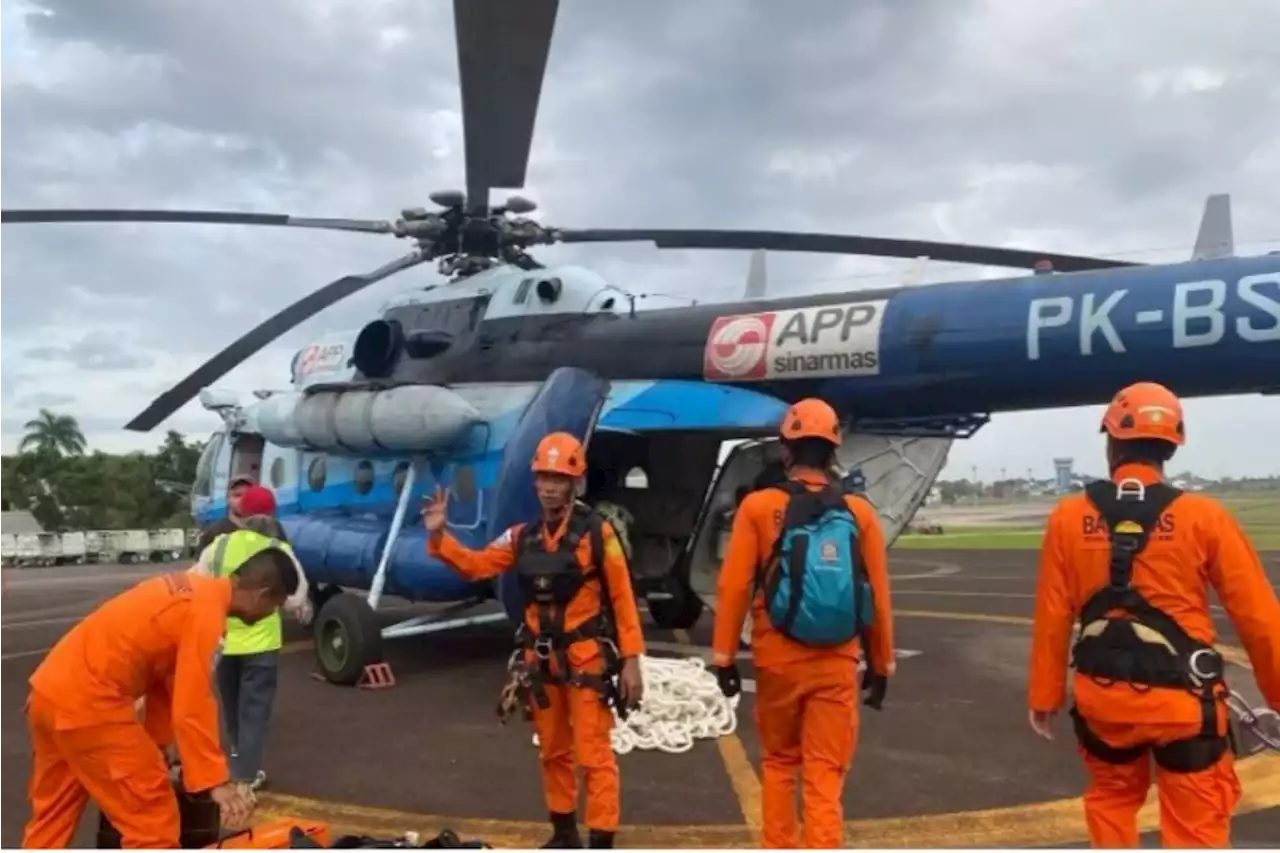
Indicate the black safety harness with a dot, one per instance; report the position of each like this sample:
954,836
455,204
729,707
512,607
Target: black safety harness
549,581
1125,639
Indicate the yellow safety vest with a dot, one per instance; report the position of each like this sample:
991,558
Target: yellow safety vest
230,552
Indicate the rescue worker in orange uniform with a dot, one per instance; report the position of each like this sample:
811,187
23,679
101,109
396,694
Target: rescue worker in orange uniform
581,628
1133,559
158,640
806,695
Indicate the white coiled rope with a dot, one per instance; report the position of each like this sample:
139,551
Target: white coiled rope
682,704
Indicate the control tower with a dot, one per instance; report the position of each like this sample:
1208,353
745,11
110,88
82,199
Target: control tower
1062,473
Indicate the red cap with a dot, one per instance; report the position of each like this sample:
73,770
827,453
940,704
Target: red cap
257,500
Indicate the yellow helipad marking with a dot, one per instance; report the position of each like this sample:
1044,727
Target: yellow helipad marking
1052,824
737,765
963,617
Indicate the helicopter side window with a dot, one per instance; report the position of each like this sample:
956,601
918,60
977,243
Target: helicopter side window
203,485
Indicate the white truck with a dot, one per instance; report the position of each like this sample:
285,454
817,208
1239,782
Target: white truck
167,545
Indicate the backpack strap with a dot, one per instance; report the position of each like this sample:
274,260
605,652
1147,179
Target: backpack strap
803,506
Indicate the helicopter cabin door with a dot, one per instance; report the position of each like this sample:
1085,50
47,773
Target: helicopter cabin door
570,400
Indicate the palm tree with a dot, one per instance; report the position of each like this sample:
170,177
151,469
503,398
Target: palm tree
53,435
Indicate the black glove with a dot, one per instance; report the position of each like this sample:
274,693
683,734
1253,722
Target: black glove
729,679
874,687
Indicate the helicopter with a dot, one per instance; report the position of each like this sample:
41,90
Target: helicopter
454,385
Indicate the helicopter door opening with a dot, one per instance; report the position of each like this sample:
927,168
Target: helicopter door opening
246,456
894,473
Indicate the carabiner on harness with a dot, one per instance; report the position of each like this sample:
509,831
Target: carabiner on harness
1209,673
1131,487
610,649
1263,723
543,647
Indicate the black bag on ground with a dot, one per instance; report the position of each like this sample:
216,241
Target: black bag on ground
447,838
200,819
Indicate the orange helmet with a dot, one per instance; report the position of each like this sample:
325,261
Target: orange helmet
811,418
1144,410
560,453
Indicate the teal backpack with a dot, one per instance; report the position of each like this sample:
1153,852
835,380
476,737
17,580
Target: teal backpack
815,586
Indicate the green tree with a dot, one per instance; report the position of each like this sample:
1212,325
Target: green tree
53,435
66,488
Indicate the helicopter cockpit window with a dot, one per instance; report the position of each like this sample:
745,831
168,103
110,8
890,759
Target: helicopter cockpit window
203,485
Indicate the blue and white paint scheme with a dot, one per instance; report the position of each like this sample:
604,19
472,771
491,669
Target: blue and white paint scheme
910,369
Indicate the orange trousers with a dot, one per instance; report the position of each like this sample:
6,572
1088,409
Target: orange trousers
1195,808
807,715
118,765
577,722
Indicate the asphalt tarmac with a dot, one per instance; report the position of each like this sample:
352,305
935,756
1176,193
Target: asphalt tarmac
949,762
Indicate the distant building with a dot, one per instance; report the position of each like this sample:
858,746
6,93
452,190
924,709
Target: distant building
1062,473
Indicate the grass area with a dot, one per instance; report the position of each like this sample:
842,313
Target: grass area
974,538
1259,515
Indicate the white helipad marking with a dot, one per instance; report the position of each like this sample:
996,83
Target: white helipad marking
940,570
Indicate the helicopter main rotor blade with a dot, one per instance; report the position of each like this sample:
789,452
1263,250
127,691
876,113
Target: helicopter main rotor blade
502,57
214,217
787,241
257,338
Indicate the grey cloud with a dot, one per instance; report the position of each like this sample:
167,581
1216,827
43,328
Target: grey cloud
93,352
47,400
1077,126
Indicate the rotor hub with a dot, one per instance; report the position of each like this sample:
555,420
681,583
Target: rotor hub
466,242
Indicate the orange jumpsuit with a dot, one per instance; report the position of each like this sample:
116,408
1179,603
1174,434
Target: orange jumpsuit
806,698
1197,544
577,721
157,640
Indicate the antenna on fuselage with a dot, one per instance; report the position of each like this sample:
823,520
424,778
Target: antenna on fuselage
1216,239
757,277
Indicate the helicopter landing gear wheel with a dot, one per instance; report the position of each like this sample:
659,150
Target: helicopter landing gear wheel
347,639
681,611
320,595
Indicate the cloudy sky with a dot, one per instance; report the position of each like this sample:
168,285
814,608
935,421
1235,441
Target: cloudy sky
1074,125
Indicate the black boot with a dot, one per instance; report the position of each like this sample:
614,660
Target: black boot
564,831
599,838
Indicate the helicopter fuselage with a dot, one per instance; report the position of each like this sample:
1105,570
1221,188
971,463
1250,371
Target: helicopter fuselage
449,388
1205,327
